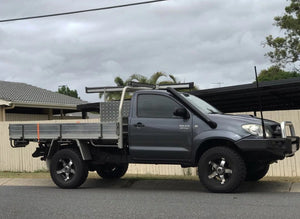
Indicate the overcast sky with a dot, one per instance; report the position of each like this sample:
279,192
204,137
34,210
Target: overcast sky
202,41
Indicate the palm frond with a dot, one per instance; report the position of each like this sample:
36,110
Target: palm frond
119,81
174,79
154,78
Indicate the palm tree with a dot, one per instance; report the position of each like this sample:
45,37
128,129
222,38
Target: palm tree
138,78
143,79
115,95
154,79
172,81
175,81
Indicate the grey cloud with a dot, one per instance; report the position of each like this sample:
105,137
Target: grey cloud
202,41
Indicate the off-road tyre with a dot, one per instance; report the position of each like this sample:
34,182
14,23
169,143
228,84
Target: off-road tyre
112,171
221,169
67,169
256,172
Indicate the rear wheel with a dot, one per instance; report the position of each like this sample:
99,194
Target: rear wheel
67,169
256,171
112,171
221,169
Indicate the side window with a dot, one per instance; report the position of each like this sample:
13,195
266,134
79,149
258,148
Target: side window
156,106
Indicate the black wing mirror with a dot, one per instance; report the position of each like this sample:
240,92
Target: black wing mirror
182,112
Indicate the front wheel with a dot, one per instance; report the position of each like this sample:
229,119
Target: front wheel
67,169
221,169
112,171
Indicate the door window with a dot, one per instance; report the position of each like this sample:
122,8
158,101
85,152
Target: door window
156,106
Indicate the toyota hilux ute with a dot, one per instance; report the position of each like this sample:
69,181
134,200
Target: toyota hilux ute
160,127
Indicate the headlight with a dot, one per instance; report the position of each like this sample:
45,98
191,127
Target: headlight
255,129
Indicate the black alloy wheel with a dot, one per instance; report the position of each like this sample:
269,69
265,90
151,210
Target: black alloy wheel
67,169
221,169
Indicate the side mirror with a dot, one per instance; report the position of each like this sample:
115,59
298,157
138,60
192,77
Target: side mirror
182,112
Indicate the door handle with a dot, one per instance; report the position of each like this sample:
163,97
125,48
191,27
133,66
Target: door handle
139,125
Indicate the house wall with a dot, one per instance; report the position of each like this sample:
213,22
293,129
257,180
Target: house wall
20,159
25,117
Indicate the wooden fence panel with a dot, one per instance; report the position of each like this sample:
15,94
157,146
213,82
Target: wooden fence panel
17,159
20,159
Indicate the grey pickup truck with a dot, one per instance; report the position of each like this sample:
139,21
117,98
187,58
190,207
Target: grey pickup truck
160,127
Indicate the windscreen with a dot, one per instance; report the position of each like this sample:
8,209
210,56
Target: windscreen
201,104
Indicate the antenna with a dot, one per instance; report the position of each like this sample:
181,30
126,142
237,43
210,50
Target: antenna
260,104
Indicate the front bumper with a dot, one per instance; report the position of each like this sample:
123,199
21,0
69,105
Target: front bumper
268,149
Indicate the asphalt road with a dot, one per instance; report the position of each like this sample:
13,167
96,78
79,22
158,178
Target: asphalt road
147,199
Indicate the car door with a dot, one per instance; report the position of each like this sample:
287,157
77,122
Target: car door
155,133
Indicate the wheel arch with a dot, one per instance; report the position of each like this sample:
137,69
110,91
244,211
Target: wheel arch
215,142
77,144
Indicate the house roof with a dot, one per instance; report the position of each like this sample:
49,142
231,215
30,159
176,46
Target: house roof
21,94
275,95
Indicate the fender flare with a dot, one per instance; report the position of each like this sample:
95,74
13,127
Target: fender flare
202,139
83,148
